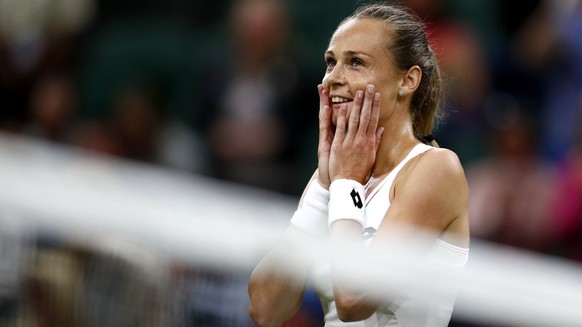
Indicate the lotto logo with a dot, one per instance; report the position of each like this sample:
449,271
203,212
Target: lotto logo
356,198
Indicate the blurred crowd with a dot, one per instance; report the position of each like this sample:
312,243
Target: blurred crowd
227,89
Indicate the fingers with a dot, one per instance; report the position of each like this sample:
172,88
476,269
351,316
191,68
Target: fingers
363,120
366,110
325,137
324,130
323,98
324,122
324,115
364,116
354,119
374,115
341,124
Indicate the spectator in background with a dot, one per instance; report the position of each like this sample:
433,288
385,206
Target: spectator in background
136,115
253,112
147,131
465,70
52,108
468,87
250,110
112,283
252,107
36,37
549,44
96,136
565,227
511,190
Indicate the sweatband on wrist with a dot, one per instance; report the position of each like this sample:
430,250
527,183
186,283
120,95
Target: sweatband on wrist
311,216
347,201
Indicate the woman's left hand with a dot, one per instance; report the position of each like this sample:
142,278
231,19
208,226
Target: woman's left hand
357,138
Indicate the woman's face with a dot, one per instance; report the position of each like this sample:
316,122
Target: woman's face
355,58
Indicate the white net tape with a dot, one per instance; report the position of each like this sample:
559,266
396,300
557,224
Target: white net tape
215,224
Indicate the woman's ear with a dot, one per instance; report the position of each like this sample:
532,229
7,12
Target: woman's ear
410,80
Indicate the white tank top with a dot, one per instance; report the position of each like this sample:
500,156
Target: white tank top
406,310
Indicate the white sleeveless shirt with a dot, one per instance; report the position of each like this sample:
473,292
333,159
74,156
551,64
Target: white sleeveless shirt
406,310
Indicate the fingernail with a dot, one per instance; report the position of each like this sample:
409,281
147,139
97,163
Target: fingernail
370,88
344,106
377,96
360,94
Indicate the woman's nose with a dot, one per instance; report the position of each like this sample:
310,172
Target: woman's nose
334,77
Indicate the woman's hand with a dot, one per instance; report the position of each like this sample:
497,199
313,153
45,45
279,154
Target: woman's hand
325,138
356,139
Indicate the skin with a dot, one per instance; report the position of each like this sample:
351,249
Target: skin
368,137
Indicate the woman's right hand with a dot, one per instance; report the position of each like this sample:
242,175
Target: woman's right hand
325,138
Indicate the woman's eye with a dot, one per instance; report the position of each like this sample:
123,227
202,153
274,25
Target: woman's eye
330,63
357,62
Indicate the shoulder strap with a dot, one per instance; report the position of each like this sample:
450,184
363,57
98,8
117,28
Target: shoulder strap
418,149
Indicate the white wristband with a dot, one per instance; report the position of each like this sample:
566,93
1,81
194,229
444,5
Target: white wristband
347,201
311,216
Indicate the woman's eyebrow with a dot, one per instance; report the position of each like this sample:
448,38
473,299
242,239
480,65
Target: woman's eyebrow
352,53
349,53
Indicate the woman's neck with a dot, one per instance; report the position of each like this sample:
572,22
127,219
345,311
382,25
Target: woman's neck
397,141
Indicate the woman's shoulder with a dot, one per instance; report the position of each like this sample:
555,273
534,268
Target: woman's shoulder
437,168
442,159
431,191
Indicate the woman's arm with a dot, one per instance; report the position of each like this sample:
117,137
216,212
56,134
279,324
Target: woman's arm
275,291
276,286
430,194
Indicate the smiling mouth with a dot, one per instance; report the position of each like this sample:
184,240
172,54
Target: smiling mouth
340,100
